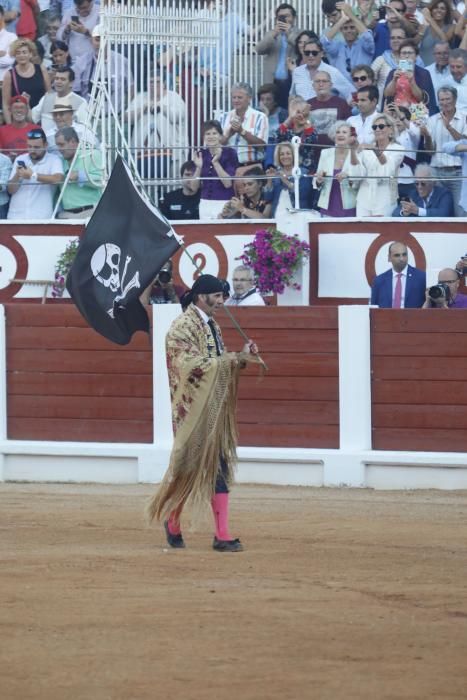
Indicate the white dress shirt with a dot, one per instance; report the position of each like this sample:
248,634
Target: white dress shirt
363,128
440,135
35,201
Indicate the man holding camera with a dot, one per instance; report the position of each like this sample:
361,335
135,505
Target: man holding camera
163,291
427,198
403,286
278,48
444,295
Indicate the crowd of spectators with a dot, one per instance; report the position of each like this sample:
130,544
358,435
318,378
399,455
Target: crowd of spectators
381,92
367,101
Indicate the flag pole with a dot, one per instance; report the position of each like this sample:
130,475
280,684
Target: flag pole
234,321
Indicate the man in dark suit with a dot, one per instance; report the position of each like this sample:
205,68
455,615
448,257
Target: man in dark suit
401,287
426,198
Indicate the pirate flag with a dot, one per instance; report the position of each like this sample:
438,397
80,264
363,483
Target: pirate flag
125,244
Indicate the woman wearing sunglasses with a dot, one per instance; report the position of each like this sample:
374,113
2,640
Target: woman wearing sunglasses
376,166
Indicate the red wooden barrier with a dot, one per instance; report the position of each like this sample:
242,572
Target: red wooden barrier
419,380
295,404
65,382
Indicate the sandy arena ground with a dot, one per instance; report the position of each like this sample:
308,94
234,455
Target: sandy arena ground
339,594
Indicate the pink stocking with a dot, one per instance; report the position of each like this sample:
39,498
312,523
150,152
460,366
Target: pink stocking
220,509
173,522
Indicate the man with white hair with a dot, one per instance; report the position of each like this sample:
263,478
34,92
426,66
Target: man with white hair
245,129
427,198
245,292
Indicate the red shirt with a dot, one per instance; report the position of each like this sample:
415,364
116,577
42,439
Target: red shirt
13,140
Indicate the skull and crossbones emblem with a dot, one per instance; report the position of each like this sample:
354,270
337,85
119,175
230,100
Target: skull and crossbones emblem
105,266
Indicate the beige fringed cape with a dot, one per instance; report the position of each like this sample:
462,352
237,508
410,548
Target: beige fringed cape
203,388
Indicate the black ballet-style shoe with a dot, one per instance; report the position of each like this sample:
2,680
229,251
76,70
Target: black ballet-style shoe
175,541
227,545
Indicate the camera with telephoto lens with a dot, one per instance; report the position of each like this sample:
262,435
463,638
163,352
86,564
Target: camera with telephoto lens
439,292
165,274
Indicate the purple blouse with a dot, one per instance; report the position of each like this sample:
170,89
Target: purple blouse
335,207
214,189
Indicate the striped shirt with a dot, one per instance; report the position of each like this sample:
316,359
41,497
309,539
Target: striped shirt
257,124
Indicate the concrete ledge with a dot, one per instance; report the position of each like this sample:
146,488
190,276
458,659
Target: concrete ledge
137,463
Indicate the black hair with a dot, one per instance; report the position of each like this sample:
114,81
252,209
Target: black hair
286,6
372,90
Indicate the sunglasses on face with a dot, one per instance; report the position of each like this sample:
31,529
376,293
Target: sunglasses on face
311,53
379,126
35,134
359,78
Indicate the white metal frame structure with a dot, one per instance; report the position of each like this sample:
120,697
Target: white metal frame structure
201,49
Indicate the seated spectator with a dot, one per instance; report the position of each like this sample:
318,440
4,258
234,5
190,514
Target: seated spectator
62,92
5,172
395,17
338,194
445,295
409,83
13,136
302,76
83,190
438,26
298,124
277,46
159,133
6,40
36,175
377,166
426,198
326,109
400,287
251,204
63,115
183,203
77,33
47,39
367,103
215,168
119,78
440,129
358,45
245,292
300,42
439,69
245,129
281,187
25,78
269,105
